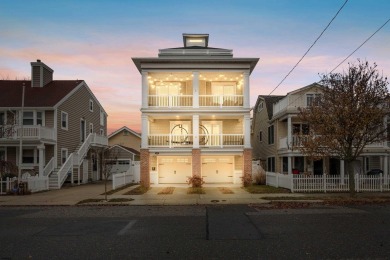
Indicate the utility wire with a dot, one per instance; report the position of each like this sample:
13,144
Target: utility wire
334,17
360,46
383,25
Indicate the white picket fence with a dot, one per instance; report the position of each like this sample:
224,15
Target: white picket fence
132,175
35,183
6,185
327,183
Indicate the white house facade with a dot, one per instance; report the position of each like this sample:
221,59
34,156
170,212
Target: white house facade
195,114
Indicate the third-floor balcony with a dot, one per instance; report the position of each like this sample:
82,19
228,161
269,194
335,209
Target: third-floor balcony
204,101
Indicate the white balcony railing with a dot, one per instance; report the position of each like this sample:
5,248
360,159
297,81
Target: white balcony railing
297,142
218,140
221,101
168,140
170,101
28,132
280,105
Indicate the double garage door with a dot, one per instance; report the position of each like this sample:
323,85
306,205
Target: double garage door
177,169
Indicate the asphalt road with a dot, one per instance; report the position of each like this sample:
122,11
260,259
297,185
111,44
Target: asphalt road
194,232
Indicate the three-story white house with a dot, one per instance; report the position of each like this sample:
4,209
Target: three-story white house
195,114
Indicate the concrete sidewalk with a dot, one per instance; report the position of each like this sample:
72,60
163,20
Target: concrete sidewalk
72,195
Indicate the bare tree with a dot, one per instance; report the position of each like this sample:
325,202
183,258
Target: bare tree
348,116
109,158
8,124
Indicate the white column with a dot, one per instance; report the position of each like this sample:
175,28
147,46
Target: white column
195,131
145,89
145,131
247,131
289,163
342,171
246,89
386,168
289,132
41,149
195,89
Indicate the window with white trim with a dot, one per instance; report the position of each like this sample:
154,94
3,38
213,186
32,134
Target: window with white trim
64,120
261,136
311,99
101,132
28,118
90,128
2,154
91,105
271,164
101,117
30,156
33,118
64,155
271,134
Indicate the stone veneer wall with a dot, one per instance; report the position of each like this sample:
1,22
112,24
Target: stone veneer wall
196,162
145,174
247,162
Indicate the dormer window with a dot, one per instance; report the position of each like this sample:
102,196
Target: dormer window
195,40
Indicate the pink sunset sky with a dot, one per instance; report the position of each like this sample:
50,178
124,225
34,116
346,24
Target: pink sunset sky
95,41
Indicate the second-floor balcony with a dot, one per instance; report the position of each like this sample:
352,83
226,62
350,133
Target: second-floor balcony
15,132
187,140
298,140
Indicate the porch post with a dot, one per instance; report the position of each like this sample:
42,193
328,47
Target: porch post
247,131
195,131
289,133
145,89
342,171
386,169
41,149
246,89
289,163
195,89
145,174
144,134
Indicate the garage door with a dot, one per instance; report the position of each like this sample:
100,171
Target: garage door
119,167
217,169
174,169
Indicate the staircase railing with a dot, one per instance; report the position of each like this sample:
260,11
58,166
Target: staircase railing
84,149
65,168
49,167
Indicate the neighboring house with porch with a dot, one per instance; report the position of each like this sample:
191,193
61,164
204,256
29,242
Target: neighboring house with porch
126,137
276,133
195,114
59,125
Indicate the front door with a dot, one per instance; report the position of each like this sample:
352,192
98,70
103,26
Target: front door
82,130
318,168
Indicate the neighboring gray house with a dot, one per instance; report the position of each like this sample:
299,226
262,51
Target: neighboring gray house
61,124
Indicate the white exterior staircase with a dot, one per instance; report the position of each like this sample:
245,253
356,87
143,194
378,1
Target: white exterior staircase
58,176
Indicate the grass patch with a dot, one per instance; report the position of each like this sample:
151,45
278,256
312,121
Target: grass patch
166,191
225,190
196,190
258,189
110,192
120,200
137,191
89,201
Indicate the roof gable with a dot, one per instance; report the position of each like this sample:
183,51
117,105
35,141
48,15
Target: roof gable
124,128
46,96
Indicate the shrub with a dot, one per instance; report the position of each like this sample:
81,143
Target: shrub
246,180
260,177
195,181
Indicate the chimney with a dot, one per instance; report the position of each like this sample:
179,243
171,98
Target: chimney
41,74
